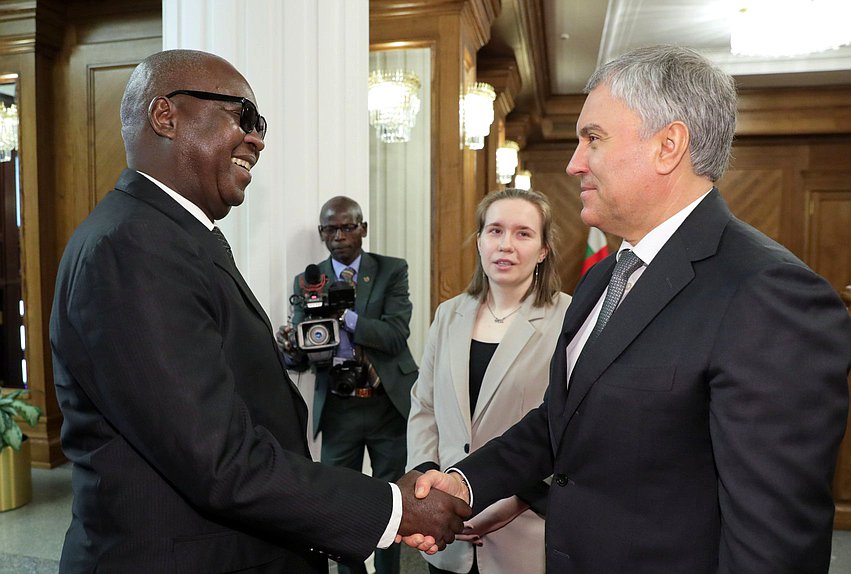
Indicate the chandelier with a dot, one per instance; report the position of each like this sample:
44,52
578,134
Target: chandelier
777,28
8,131
523,180
393,104
477,114
506,161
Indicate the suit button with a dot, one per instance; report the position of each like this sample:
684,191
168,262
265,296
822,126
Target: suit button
561,479
467,448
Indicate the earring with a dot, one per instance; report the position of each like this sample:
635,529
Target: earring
538,266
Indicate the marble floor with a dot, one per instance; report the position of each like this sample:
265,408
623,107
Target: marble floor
31,536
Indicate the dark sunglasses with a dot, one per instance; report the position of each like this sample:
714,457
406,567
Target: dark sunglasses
249,118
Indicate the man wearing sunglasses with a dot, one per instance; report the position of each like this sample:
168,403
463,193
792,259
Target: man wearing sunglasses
188,439
367,410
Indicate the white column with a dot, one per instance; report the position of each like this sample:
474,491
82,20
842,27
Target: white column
307,62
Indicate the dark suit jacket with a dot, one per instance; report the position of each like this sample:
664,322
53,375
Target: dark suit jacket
699,433
383,305
188,438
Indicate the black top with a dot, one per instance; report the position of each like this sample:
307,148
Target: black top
480,356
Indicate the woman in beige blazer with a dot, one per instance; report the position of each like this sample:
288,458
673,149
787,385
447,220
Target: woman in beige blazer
485,365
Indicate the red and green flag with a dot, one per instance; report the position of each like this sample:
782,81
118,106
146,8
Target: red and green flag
596,249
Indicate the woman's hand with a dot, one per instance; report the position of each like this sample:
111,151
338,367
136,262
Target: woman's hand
491,519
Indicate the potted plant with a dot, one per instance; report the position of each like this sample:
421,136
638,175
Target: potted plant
15,472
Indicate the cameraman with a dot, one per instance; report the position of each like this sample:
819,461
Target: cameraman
363,394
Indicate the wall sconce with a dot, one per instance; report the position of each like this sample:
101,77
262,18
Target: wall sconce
393,104
779,28
506,161
523,180
8,131
477,114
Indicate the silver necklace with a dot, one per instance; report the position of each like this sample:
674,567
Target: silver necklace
501,319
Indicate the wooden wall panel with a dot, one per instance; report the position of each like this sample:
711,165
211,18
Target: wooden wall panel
106,158
755,196
73,58
92,78
828,229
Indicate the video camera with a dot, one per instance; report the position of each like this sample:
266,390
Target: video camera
318,335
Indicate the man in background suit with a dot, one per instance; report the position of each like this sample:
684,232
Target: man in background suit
374,338
697,430
187,437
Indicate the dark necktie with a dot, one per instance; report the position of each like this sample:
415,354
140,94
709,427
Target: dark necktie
224,242
626,265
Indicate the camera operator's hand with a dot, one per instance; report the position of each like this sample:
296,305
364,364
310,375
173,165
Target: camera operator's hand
285,338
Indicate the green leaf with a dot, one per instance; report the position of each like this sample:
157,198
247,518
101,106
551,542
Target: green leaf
13,436
8,398
28,412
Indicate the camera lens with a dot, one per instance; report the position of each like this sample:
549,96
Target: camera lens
318,334
345,387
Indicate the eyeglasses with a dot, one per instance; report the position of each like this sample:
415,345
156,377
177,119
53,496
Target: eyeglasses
249,118
331,230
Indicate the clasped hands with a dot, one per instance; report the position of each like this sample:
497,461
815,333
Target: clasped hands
434,507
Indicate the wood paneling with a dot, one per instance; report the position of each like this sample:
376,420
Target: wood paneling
72,59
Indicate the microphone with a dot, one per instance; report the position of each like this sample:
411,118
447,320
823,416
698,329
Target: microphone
313,283
313,276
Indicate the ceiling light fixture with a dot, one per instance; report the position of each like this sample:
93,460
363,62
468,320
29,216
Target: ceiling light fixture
523,180
393,102
477,114
8,131
506,161
783,28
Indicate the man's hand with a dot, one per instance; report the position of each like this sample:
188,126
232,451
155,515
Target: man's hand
284,338
449,483
429,523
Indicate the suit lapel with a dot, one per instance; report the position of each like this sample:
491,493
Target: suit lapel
365,281
515,339
669,272
460,335
142,188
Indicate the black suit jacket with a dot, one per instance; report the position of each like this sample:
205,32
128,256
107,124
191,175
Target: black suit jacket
384,308
188,438
699,433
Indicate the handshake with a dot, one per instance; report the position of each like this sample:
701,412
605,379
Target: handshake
434,507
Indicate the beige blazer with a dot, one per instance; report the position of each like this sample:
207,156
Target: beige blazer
441,429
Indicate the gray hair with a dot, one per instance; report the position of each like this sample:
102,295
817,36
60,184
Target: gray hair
663,84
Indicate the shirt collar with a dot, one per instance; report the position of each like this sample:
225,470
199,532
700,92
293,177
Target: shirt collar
185,203
652,243
338,267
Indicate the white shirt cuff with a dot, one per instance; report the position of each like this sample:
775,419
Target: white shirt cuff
389,536
467,482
